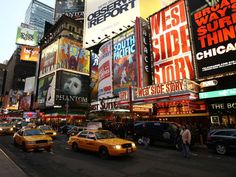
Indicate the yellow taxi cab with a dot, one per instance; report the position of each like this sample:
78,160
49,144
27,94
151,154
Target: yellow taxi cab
32,138
6,128
102,141
48,130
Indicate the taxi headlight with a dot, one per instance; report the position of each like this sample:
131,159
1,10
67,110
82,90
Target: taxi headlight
133,145
50,141
11,129
30,142
117,147
0,129
54,133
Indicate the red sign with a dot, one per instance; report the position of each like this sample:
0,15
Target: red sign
171,44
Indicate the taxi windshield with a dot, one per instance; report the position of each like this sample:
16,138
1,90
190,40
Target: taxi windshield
105,135
33,132
45,128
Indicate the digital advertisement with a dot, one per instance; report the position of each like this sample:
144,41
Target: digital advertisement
26,36
94,77
29,53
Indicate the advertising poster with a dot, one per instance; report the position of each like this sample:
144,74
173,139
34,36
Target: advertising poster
48,59
29,84
94,77
124,61
46,91
171,44
13,99
72,89
105,71
71,8
72,56
29,53
214,34
105,16
26,36
25,103
143,52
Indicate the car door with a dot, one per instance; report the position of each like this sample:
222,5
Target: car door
91,142
18,137
81,139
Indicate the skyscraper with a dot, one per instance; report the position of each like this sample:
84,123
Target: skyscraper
36,15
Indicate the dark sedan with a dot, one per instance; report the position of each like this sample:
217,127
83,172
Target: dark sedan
222,140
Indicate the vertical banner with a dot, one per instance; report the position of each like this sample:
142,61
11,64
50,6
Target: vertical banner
72,56
171,44
124,61
105,71
214,34
48,59
46,91
94,77
143,52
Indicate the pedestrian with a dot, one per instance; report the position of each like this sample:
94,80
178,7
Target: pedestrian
186,140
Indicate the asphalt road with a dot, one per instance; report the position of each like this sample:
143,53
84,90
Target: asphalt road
151,162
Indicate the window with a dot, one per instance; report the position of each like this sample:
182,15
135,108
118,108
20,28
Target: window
83,134
91,135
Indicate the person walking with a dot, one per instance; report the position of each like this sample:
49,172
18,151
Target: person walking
186,140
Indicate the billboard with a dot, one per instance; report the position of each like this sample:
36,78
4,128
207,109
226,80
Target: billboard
94,77
143,52
26,36
48,59
213,29
72,56
105,16
171,44
25,102
46,91
29,84
72,89
71,8
29,53
124,61
105,71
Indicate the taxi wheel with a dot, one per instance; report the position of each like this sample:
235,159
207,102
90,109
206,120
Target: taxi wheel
103,153
75,147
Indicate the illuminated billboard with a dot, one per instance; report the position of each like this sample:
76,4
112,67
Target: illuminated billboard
72,89
25,103
71,8
105,71
94,77
48,59
72,56
26,36
105,16
46,91
171,44
124,61
29,84
213,29
29,53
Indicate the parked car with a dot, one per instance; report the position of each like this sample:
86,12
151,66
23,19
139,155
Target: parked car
222,140
102,141
32,138
48,130
65,128
157,132
6,128
75,130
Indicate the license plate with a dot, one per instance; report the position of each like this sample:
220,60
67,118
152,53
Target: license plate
129,150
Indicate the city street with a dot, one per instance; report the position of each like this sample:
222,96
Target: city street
151,162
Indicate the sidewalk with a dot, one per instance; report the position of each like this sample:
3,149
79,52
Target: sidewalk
8,168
